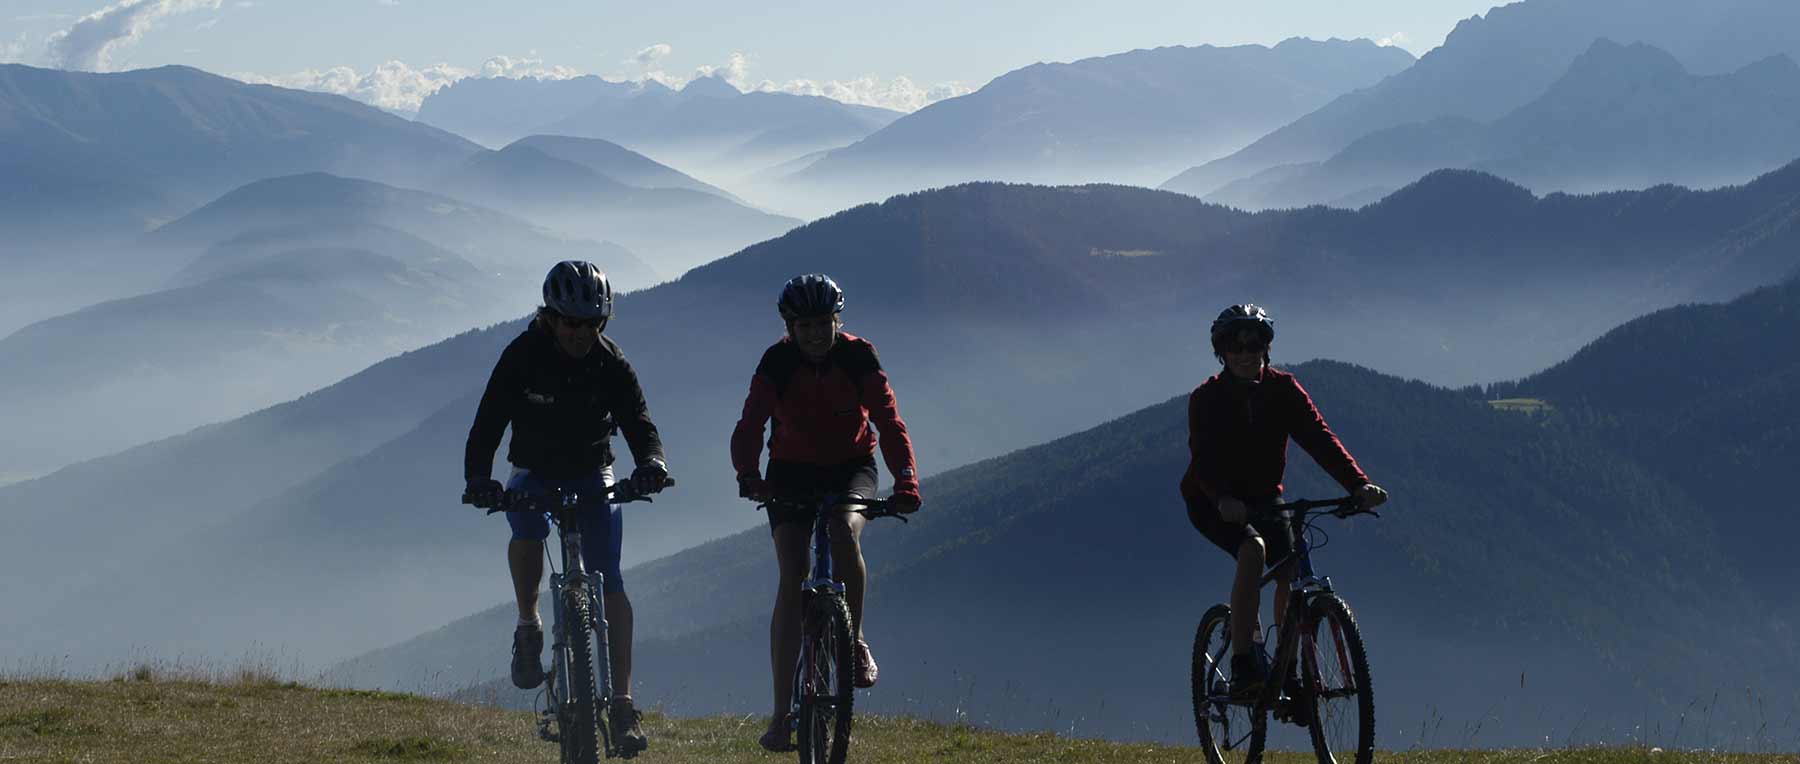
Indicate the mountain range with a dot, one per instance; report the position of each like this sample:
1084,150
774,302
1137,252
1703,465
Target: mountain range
992,305
270,292
1529,565
1492,64
708,127
1134,117
1621,117
562,183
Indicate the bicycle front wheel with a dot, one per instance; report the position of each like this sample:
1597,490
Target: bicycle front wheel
578,717
1335,684
1230,733
826,693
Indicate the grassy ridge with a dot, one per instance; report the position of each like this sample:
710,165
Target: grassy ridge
147,719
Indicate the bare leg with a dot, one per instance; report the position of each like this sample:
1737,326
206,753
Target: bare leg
1282,584
1246,599
784,623
618,641
525,558
847,563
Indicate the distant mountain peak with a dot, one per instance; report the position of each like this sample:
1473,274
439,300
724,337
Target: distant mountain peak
1639,58
711,86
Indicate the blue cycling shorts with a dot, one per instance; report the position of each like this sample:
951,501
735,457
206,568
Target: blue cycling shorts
600,531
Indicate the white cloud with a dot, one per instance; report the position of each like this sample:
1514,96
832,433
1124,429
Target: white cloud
735,70
899,93
517,68
388,3
89,44
207,24
396,86
1397,38
13,52
392,85
649,56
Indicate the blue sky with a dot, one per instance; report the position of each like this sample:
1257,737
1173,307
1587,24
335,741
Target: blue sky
929,42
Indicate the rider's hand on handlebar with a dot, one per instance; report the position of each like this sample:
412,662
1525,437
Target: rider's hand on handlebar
485,493
1233,511
905,503
1371,496
755,489
650,477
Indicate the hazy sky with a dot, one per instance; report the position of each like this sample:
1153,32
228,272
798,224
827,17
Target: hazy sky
862,46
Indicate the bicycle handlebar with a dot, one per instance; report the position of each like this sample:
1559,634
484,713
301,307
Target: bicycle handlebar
1341,507
871,508
621,492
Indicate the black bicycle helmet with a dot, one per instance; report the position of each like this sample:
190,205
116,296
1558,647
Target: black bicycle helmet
579,290
813,294
1239,317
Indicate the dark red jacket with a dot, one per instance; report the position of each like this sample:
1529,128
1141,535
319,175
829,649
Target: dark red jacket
823,412
1238,434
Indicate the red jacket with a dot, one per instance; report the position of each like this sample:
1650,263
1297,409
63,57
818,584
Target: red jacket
1238,434
823,412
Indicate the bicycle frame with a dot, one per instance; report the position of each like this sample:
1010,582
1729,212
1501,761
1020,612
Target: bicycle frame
1304,584
575,569
821,579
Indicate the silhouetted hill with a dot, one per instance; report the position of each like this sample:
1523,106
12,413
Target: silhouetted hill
1622,117
257,332
1708,395
1006,599
89,162
674,228
416,268
495,241
619,163
199,135
1005,315
1490,65
1131,117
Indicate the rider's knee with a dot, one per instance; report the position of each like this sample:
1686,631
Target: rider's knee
842,534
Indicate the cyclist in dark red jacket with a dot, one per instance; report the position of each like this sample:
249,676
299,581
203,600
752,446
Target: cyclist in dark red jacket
1239,423
822,388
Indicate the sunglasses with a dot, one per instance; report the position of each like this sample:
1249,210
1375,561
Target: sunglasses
1246,347
575,323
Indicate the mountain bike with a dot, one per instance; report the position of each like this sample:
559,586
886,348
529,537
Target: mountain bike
823,697
578,696
1319,677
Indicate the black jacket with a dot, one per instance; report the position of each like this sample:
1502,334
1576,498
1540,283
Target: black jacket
562,410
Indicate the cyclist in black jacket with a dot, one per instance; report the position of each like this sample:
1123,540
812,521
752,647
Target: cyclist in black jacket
564,387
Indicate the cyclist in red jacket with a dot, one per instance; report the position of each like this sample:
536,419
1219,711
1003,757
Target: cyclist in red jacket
823,388
1239,422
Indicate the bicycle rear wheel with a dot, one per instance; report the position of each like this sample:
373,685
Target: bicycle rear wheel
1230,733
1335,682
578,717
826,694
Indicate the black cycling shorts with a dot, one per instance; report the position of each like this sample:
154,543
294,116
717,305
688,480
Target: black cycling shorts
805,482
1229,537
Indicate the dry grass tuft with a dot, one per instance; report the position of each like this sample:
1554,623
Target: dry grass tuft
149,713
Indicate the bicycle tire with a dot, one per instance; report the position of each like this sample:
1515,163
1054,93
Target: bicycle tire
1335,680
578,722
827,696
1230,733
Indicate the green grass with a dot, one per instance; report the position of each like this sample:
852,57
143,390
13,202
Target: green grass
1521,405
145,717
